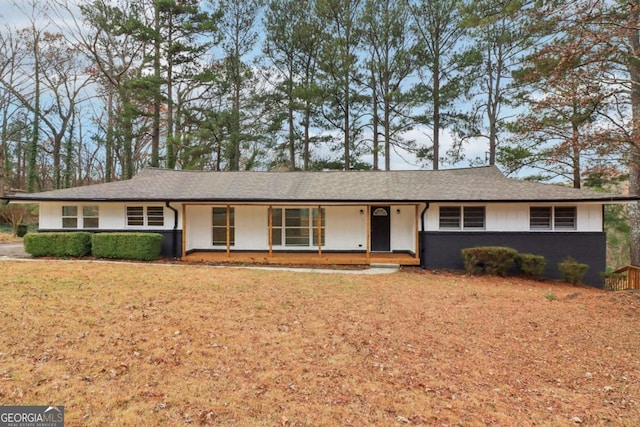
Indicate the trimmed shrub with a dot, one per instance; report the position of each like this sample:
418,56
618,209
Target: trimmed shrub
531,265
72,244
572,271
138,246
495,260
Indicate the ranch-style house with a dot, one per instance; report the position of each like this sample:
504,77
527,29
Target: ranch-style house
414,217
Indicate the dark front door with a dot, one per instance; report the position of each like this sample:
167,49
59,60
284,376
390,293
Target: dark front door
380,229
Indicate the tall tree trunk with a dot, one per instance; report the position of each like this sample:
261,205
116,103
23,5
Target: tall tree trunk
234,136
634,207
32,150
3,151
218,156
347,139
575,156
307,135
375,119
493,102
290,123
108,167
68,155
387,126
171,138
155,130
634,155
235,128
127,139
57,161
436,116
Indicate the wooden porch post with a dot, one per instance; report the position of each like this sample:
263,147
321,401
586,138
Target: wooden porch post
319,224
228,231
270,230
417,232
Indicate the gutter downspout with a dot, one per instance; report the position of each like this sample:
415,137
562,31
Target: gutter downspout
422,249
174,233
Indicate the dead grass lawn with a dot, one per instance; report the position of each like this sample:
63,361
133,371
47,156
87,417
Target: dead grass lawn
130,345
9,238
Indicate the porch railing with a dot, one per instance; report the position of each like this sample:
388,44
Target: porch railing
623,279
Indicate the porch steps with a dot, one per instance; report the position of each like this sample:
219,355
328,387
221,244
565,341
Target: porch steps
384,265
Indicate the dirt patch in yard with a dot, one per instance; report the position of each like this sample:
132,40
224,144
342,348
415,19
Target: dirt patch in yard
171,344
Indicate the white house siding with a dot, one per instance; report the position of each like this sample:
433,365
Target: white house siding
515,216
345,228
590,218
505,217
198,230
112,216
50,216
252,225
403,228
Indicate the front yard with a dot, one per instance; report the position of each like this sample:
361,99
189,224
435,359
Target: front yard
125,344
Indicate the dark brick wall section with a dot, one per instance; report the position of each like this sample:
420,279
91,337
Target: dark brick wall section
441,250
167,243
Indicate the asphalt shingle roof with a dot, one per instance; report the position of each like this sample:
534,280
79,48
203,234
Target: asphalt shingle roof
483,184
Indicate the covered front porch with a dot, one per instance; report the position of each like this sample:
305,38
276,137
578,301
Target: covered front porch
301,234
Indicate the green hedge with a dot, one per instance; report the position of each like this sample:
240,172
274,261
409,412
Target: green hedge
72,244
531,265
495,260
138,246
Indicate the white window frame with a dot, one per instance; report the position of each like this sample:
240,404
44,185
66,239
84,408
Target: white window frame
86,217
152,217
282,227
232,226
144,216
557,224
80,217
461,218
69,216
555,220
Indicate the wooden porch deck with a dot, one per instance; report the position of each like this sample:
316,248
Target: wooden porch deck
331,258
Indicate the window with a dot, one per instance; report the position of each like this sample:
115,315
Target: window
155,216
90,216
474,217
470,217
450,217
540,218
69,217
297,227
565,218
562,218
219,222
276,226
136,216
296,231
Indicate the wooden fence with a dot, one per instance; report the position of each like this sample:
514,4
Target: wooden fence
622,279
